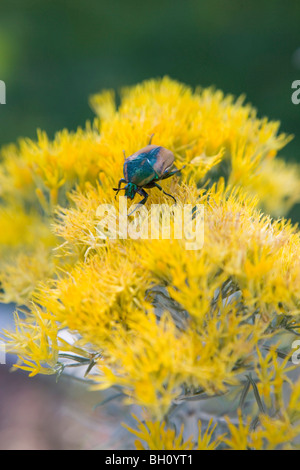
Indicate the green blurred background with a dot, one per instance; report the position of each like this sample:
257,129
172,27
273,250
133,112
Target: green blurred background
54,54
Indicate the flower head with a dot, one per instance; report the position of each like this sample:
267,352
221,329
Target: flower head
162,322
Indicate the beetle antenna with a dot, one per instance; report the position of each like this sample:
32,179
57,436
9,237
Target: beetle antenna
124,154
151,137
118,189
122,180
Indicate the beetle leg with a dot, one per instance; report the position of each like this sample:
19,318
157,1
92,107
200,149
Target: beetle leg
171,173
122,180
167,194
142,192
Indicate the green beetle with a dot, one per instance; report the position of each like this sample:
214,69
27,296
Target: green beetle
146,166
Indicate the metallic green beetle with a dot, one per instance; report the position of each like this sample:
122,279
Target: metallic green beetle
146,166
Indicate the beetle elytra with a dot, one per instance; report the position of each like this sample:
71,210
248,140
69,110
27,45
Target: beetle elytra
144,168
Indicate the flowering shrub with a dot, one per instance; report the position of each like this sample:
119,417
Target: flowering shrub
162,323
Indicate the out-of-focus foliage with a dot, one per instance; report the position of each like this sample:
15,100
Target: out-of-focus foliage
54,54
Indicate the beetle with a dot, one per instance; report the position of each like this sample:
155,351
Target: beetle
144,168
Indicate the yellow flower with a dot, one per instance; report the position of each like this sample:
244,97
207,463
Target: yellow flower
158,437
159,320
270,434
271,376
274,433
21,277
239,435
36,344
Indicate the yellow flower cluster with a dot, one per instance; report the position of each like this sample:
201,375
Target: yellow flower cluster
276,430
276,425
162,322
157,437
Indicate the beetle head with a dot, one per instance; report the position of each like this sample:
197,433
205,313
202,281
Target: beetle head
130,190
